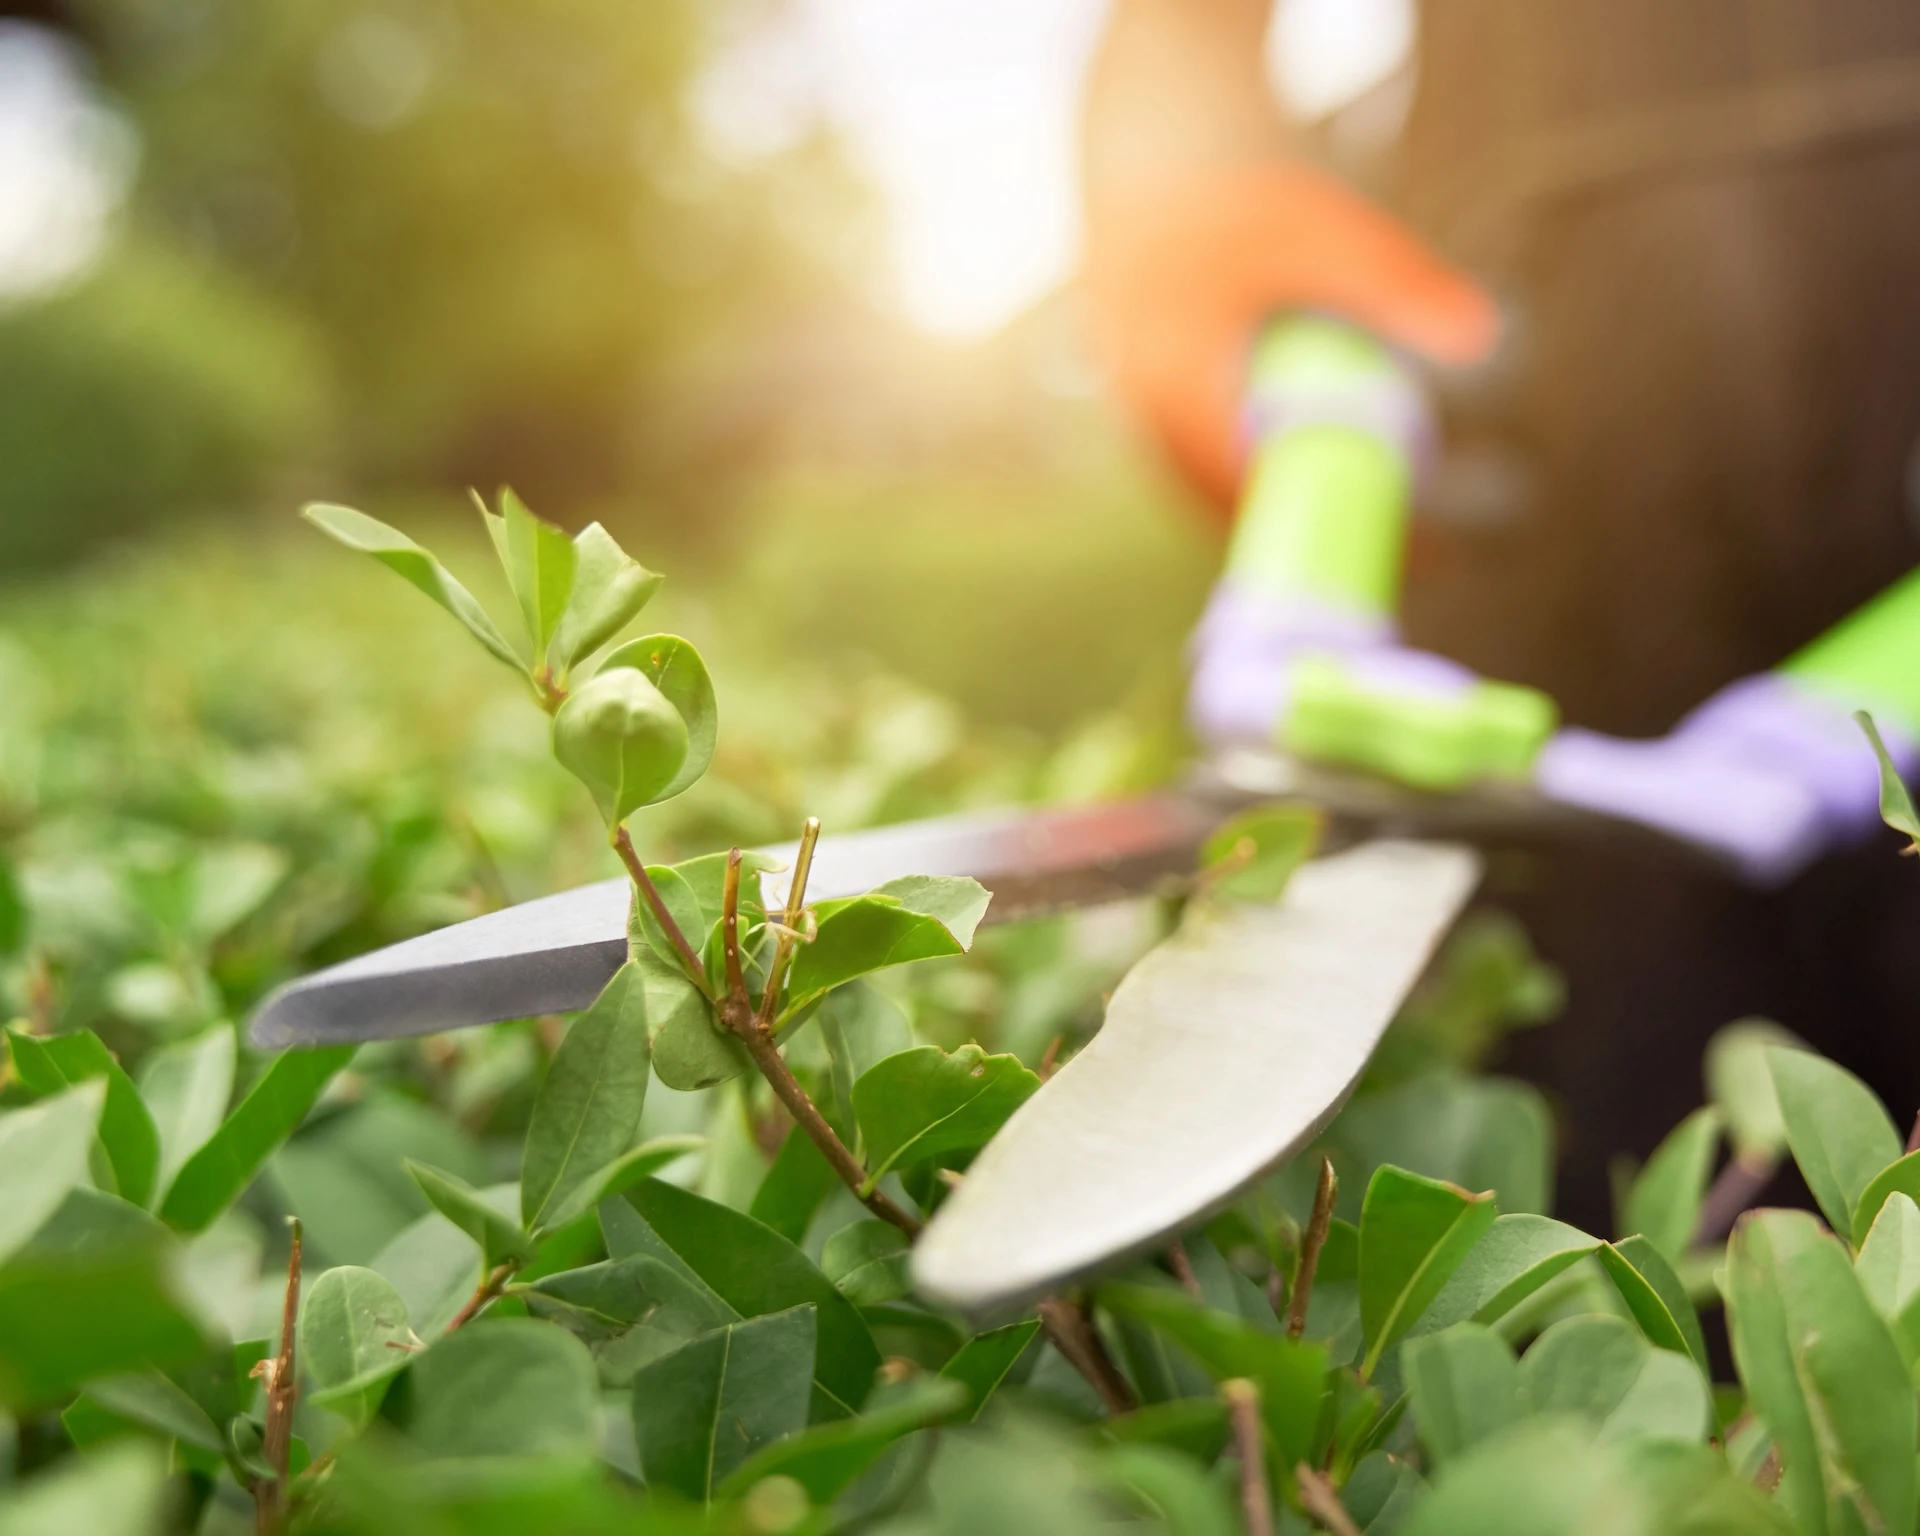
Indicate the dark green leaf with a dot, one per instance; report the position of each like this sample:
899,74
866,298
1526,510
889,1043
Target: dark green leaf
826,1459
1195,1426
630,1167
621,737
1896,805
588,1107
1840,1132
867,1261
1824,1373
1664,1204
186,1088
1465,1385
219,1173
1414,1233
1382,1493
600,1301
982,1363
914,918
705,1409
499,1239
540,561
674,667
1482,1133
126,1128
1889,1271
1740,1084
609,590
510,1386
795,1187
43,1154
412,564
1253,855
353,1338
1603,1369
926,1103
690,1050
1655,1296
1518,1255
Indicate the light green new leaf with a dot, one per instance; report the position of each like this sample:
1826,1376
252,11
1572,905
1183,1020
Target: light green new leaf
1253,855
1840,1133
1655,1296
1824,1373
1889,1271
412,564
540,561
913,918
354,1337
1604,1370
1902,1176
509,1386
609,590
622,738
982,1363
186,1087
588,1106
219,1173
463,1205
826,1459
867,1261
674,667
629,1168
127,1131
1664,1203
926,1103
1464,1384
43,1154
1519,1254
118,1490
703,1410
1896,805
1740,1086
690,1051
1414,1233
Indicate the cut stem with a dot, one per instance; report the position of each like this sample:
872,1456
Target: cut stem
1734,1189
283,1390
730,925
643,882
1243,1407
783,946
1310,1246
1070,1330
1317,1494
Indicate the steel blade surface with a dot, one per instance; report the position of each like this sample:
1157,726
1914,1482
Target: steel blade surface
1225,1051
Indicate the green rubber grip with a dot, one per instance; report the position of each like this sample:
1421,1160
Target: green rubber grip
1870,659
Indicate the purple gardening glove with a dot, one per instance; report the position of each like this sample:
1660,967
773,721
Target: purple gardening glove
1766,772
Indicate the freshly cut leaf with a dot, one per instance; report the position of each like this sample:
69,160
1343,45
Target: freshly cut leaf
186,1088
1889,1271
1901,1176
914,918
1414,1233
1740,1085
674,667
588,1106
982,1363
1664,1204
43,1155
150,1400
867,1261
826,1459
540,561
1290,1374
690,1051
463,1205
926,1103
1253,855
633,1165
510,1386
751,1270
1464,1384
1655,1296
609,590
1840,1133
1604,1370
126,1128
354,1337
1824,1373
703,1410
119,1490
1519,1254
219,1173
412,564
795,1187
1896,805
622,738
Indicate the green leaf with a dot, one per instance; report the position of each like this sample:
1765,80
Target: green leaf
1194,1426
186,1088
826,1459
703,1410
1382,1493
751,1270
1902,1176
1740,1085
43,1154
926,1103
1464,1384
1187,1500
795,1187
13,912
1604,1370
914,918
1840,1132
982,1363
618,735
435,1267
643,927
690,1051
1664,1204
589,1103
629,1168
1655,1296
867,1261
1253,855
509,1386
1414,1233
1481,1133
1824,1373
674,667
353,1339
540,561
119,1490
415,565
1519,1254
1896,805
609,590
499,1239
126,1128
1889,1271
1291,1374
151,1401
219,1173
600,1302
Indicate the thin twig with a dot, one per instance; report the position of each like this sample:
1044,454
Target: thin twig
1183,1268
1733,1191
786,938
281,1377
1243,1406
488,1290
1323,1503
730,925
1310,1245
696,972
1050,1058
1070,1330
